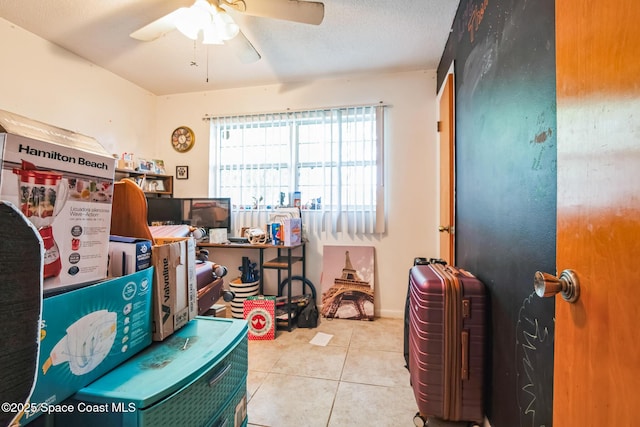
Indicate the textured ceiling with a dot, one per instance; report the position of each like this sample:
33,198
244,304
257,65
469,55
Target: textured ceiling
356,36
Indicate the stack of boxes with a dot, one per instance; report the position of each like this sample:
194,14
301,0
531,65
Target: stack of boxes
174,278
103,301
175,301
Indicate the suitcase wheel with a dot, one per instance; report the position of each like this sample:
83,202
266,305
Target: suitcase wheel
419,420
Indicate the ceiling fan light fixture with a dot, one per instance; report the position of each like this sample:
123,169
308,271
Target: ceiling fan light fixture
189,21
210,35
216,25
225,26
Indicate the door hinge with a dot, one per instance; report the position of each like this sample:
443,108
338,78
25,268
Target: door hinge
439,126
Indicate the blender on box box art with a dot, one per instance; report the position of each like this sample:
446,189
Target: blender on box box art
62,182
41,195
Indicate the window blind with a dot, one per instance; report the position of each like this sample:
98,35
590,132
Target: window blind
333,157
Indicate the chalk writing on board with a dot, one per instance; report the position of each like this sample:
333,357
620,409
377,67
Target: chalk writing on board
544,137
537,160
534,359
474,15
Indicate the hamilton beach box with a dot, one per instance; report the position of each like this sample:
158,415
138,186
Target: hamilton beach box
89,331
63,183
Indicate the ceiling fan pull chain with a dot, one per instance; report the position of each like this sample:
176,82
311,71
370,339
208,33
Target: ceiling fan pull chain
194,63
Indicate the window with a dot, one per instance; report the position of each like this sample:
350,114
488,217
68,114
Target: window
332,157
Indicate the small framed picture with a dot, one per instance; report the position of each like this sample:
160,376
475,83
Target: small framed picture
155,185
182,172
146,165
159,167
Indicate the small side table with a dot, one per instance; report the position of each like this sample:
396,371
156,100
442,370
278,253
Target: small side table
284,262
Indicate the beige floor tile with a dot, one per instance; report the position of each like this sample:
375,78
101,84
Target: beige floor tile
359,378
296,337
254,381
341,329
374,367
263,355
310,360
380,334
369,405
292,401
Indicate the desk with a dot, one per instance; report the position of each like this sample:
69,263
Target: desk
284,260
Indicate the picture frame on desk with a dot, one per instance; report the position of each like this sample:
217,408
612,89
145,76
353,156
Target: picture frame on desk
154,185
159,167
145,165
182,172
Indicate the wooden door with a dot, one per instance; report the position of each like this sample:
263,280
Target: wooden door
446,129
597,342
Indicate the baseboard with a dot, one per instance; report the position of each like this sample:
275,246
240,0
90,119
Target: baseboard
391,314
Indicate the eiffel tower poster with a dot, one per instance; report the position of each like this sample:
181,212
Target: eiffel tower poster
348,282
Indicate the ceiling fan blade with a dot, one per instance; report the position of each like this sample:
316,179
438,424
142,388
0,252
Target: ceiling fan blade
306,12
157,28
243,48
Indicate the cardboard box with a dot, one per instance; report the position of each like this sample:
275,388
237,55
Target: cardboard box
89,331
128,255
126,164
63,183
218,310
291,231
175,296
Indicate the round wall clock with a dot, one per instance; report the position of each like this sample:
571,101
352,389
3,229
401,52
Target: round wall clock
182,139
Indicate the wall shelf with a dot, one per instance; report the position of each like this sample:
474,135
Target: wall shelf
151,183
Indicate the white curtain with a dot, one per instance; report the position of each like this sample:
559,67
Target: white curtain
333,157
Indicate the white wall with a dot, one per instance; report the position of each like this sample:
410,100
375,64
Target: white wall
43,82
411,163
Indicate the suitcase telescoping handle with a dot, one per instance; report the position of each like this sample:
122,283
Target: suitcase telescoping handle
425,261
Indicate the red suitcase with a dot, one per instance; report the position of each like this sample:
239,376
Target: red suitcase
447,334
209,280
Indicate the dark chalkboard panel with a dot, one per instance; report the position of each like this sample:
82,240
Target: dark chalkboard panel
504,56
20,270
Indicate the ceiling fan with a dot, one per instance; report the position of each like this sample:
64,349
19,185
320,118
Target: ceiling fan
210,18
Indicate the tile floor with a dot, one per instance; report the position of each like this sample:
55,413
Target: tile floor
358,379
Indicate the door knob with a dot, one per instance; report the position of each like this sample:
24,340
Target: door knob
442,229
547,285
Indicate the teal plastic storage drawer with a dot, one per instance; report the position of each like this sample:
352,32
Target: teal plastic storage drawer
196,377
234,413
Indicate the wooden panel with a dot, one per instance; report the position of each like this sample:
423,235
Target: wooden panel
281,262
597,352
597,47
446,170
129,211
